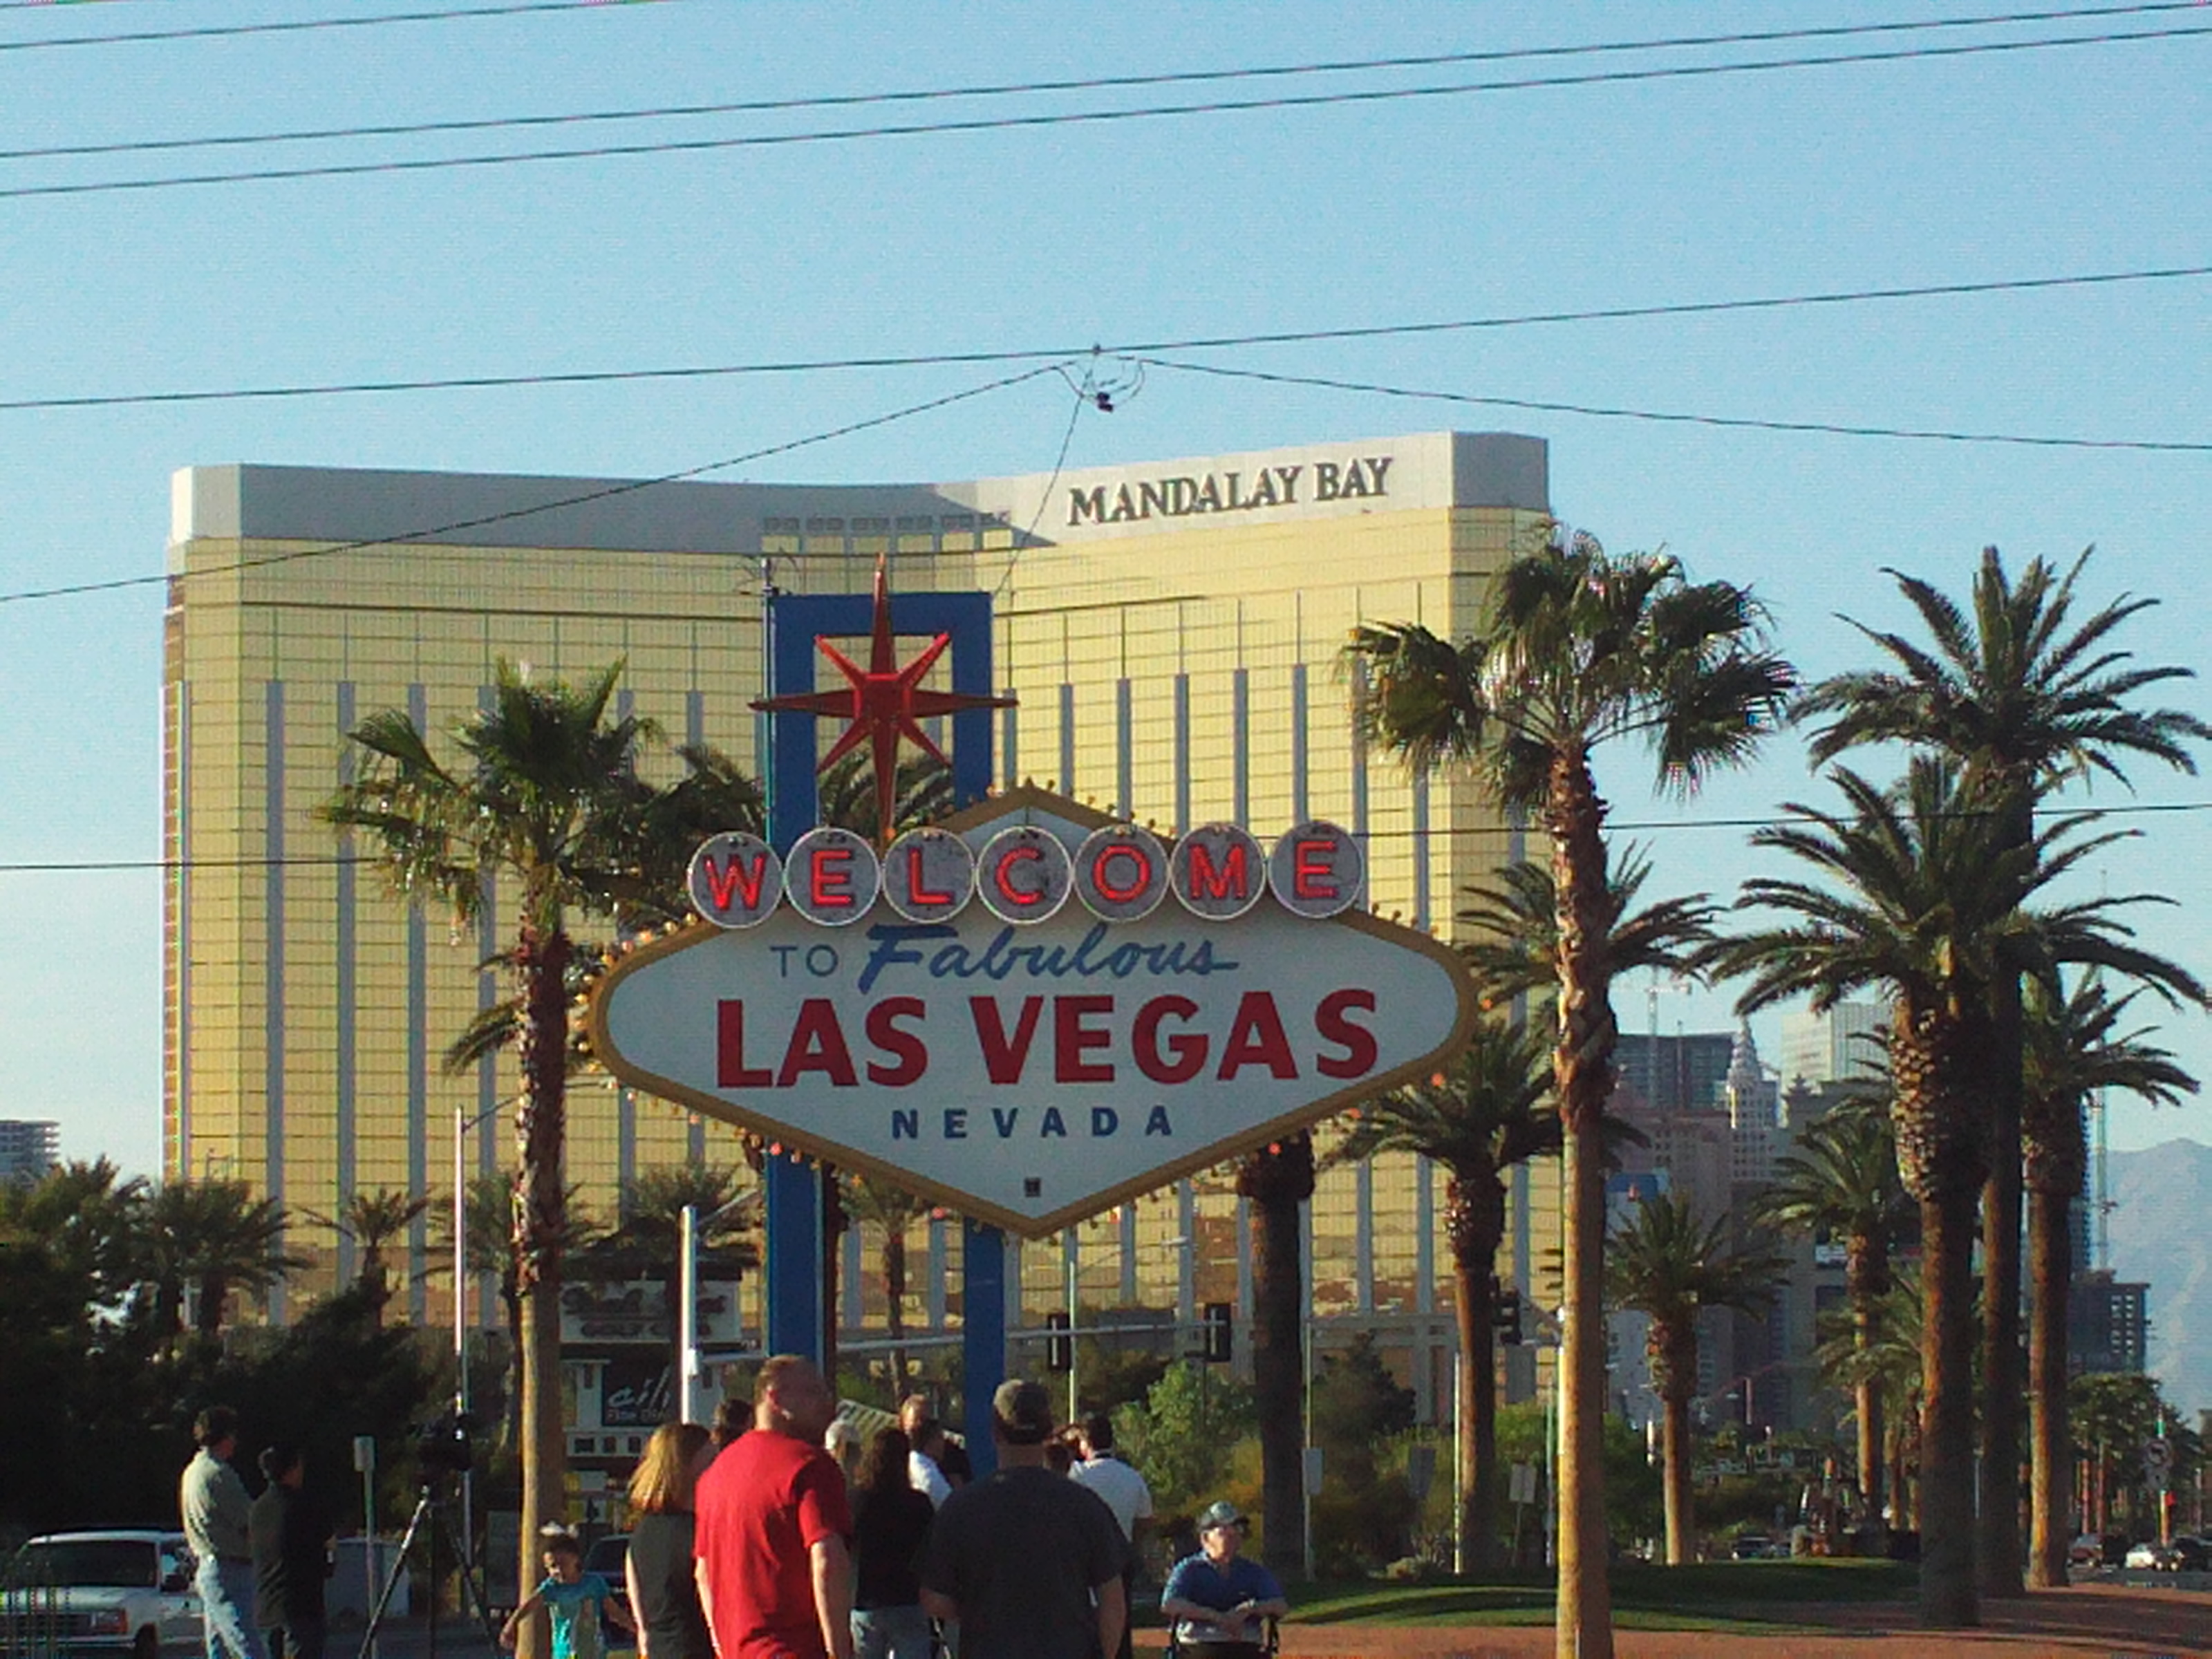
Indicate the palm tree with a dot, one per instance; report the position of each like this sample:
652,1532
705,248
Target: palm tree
1840,1182
548,797
1665,1262
2075,1050
374,1218
647,1241
1931,911
891,1210
488,1213
1579,647
1516,947
88,1217
1892,1364
2023,703
213,1238
1479,1120
1276,1180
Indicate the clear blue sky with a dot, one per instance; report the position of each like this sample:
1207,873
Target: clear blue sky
1955,169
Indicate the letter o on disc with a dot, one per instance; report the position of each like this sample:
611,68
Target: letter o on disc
928,875
1121,872
1218,872
1022,874
1315,870
735,879
832,877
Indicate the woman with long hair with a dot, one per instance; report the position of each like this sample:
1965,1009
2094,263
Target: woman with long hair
663,1595
891,1520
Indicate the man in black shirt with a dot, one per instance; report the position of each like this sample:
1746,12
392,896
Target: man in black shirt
1029,1562
290,1559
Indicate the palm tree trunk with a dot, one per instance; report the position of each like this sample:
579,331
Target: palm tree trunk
1948,1585
1276,1184
1867,1274
539,1229
1674,1449
895,1299
2051,1264
207,1317
1581,1066
1475,1431
1998,1551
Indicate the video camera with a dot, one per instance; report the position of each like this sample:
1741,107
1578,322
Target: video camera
442,1445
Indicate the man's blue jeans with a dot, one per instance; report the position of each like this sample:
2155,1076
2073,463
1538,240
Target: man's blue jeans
225,1590
891,1633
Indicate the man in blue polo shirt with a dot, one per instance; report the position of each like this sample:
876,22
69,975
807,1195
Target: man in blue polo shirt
1220,1601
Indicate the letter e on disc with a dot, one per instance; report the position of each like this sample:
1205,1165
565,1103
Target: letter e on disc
832,877
1316,870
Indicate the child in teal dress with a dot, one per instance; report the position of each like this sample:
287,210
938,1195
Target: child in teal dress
574,1600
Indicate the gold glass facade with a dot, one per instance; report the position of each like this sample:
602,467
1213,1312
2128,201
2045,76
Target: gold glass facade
1171,631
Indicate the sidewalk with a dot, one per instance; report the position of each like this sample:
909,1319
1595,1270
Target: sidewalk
2085,1622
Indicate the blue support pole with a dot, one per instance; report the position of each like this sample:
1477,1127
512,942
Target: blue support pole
794,1191
983,1335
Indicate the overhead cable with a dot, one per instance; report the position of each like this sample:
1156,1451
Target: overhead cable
296,26
1098,117
1454,832
1615,412
1198,343
1086,83
605,492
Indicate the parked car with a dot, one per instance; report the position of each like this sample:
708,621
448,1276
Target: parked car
124,1591
1752,1546
2184,1554
2086,1551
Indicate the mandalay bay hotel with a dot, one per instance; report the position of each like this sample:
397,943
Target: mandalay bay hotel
1172,630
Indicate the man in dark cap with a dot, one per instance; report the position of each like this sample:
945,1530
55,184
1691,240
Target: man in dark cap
1027,1561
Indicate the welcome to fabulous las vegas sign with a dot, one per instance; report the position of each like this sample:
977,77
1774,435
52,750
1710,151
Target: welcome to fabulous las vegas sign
1030,1012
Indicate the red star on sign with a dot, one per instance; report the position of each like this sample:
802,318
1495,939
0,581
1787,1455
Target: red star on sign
883,703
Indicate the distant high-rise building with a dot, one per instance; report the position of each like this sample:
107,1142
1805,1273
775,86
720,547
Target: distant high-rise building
27,1151
2108,1324
1753,1103
1683,1072
1825,1047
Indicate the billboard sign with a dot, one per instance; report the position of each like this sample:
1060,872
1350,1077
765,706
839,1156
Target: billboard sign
1027,1056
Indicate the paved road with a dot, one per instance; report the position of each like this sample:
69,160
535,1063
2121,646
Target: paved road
2085,1622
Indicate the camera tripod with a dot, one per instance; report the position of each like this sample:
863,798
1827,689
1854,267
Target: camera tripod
433,1507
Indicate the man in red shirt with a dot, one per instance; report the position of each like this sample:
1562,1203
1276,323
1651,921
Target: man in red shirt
774,1575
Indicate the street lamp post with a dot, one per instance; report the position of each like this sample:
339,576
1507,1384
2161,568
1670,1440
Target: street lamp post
688,1227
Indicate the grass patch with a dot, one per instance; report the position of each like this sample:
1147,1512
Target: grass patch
1750,1597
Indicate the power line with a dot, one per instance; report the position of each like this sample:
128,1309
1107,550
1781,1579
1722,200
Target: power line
95,867
1073,117
1203,342
213,31
626,488
1088,83
1603,412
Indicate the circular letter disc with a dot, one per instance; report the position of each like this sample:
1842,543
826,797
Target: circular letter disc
1022,874
1316,869
735,879
928,875
1121,872
1219,871
832,877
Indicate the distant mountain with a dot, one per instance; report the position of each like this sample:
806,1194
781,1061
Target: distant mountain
2161,1230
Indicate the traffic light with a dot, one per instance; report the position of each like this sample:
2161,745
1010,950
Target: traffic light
1220,1332
1058,1343
1505,1316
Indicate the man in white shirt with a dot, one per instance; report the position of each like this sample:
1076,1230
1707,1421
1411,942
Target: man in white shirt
924,1438
216,1511
1121,1487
